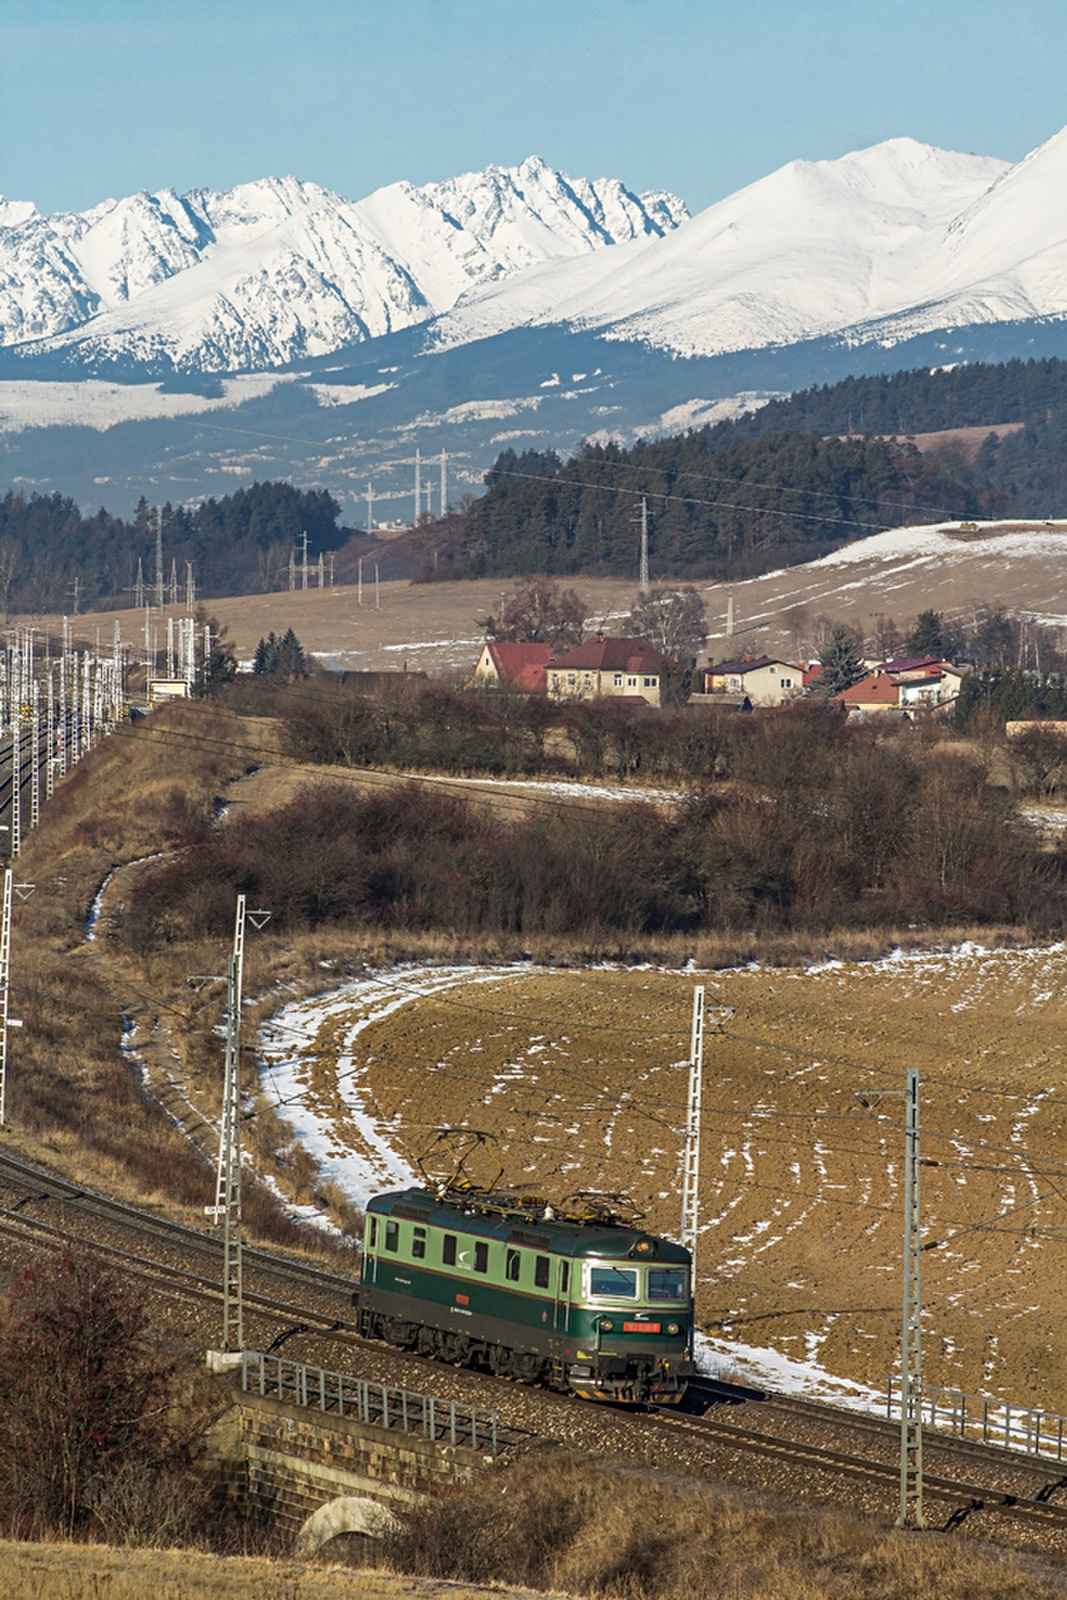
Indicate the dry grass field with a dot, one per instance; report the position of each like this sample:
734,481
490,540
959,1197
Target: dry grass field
433,627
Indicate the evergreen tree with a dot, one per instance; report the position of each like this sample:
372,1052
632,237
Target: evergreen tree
925,638
840,665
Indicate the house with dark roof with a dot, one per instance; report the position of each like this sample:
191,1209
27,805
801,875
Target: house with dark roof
602,668
519,667
762,680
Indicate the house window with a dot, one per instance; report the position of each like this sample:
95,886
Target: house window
631,683
570,680
512,1265
787,683
541,1264
650,683
618,680
585,680
481,1256
735,685
448,1249
418,1244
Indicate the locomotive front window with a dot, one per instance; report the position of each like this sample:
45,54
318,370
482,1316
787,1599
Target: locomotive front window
614,1283
418,1243
448,1250
392,1235
667,1283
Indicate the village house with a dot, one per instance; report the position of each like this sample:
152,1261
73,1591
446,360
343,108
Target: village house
761,680
519,667
905,686
602,668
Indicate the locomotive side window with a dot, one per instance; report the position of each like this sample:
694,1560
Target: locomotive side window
512,1265
617,1283
481,1256
541,1264
666,1283
418,1244
448,1250
564,1277
392,1235
372,1237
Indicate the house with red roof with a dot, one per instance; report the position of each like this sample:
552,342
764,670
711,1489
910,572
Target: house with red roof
602,668
906,685
519,667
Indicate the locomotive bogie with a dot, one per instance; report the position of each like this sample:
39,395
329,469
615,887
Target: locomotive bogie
599,1309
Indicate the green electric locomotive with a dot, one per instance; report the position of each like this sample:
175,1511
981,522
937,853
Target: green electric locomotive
576,1298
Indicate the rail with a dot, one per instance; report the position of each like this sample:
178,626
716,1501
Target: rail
1028,1429
381,1404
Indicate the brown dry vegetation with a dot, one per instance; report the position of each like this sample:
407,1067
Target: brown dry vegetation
95,1572
552,1522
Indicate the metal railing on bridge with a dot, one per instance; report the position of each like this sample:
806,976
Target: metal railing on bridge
1028,1429
381,1404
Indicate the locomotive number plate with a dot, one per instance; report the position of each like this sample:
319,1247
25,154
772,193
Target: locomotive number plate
640,1327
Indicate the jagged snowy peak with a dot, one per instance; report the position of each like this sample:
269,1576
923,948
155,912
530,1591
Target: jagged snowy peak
811,249
276,270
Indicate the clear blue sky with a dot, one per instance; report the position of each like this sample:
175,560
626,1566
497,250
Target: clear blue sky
100,98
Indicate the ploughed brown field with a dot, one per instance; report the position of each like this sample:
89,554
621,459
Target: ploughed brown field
576,1072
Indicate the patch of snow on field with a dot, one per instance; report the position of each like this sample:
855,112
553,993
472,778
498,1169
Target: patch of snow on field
770,1369
289,1051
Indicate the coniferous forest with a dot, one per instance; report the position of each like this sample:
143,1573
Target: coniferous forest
783,484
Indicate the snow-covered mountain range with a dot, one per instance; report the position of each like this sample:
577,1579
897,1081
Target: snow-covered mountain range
280,331
876,247
278,270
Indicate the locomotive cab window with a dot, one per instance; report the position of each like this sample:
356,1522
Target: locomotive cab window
481,1256
564,1277
541,1265
613,1283
392,1235
418,1244
667,1283
448,1250
372,1234
512,1266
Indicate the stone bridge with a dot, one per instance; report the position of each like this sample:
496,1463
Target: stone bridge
322,1453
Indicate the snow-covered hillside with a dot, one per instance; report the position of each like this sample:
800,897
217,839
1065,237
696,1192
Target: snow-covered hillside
279,270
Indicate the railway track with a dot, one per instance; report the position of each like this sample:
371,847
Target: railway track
285,1297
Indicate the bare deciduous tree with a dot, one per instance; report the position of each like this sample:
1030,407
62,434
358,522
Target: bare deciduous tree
538,611
674,620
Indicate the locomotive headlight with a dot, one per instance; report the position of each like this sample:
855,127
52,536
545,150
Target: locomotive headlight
672,1327
606,1325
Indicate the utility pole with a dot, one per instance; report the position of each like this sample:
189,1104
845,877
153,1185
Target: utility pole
359,581
444,483
642,582
227,1207
729,613
418,484
720,1016
304,563
911,1349
911,1359
369,497
159,558
377,590
190,587
24,890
